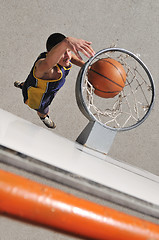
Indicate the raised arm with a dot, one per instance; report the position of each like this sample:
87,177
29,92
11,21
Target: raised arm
55,54
75,60
81,45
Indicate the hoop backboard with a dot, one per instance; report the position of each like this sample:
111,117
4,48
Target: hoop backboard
42,152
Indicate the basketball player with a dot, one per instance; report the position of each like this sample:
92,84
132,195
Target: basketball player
49,72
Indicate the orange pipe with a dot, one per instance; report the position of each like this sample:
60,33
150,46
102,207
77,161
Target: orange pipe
45,205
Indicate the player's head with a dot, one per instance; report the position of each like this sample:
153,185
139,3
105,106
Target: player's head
54,39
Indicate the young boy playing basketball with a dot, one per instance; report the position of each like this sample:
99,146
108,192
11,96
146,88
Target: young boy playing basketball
49,72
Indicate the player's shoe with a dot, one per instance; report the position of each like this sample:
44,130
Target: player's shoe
18,84
48,122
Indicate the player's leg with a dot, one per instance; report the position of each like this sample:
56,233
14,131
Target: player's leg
18,84
44,116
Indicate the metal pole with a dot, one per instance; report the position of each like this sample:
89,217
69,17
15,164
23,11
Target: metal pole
51,207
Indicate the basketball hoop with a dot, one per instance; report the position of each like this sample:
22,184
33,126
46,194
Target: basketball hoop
131,106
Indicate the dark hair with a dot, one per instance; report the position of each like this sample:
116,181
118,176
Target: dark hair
54,39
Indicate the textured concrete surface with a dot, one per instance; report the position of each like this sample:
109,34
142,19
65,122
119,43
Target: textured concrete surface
24,28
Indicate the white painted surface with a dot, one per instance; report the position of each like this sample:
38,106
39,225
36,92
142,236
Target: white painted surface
39,143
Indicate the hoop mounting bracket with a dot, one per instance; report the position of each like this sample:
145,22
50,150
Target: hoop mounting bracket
97,137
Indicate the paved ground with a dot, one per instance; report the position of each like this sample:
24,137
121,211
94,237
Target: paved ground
131,24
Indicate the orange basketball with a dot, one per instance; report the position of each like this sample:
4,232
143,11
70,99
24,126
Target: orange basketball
107,77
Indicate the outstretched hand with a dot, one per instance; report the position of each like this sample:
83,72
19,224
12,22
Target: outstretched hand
81,45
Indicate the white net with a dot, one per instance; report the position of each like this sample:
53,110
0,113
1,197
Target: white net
131,105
